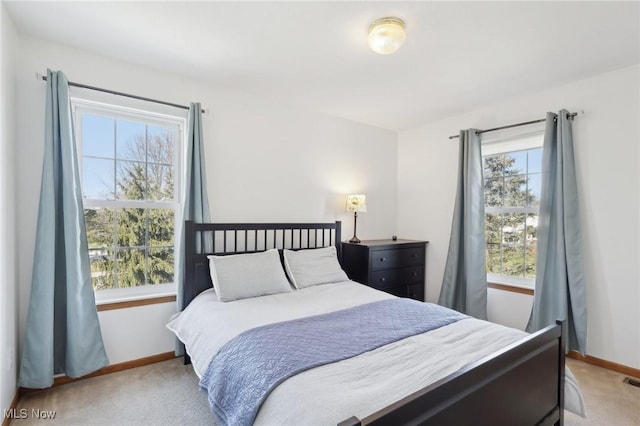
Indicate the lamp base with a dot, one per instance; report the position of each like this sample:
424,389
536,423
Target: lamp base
355,240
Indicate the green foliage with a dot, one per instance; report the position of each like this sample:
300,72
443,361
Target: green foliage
130,247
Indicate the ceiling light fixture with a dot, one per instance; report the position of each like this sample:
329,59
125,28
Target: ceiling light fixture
386,35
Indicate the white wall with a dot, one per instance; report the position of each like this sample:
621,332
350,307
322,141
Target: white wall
606,141
8,270
265,162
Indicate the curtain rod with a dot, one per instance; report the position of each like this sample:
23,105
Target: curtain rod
570,116
126,95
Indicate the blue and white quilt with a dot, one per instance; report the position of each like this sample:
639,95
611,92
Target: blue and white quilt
248,367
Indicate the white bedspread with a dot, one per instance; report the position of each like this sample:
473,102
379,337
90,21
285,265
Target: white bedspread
358,386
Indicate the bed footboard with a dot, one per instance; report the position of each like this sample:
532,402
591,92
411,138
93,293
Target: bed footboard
521,385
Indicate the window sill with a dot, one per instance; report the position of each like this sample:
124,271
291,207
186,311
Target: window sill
132,303
121,298
511,287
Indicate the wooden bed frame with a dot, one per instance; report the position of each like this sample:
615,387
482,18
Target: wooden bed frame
522,384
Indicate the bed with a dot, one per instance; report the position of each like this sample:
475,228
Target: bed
465,372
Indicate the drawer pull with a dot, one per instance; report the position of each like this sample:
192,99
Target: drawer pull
383,279
413,255
415,274
382,259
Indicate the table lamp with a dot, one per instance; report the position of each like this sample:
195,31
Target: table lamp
356,203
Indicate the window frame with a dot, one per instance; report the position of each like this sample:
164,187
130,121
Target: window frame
505,143
117,112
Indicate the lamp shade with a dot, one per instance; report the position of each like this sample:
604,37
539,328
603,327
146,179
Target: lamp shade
356,203
386,35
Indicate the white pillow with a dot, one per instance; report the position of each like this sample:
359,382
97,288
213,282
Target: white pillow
240,276
312,267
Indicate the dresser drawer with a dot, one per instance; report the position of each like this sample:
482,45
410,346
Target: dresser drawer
397,291
398,258
396,277
416,291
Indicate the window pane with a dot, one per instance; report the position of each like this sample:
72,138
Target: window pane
513,260
97,179
534,160
530,265
532,228
515,163
160,265
515,191
534,189
493,228
130,267
513,228
100,227
160,180
101,262
493,259
130,143
132,224
161,224
97,136
493,192
513,238
132,180
160,144
531,241
493,166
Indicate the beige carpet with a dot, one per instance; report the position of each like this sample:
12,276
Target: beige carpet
608,400
167,394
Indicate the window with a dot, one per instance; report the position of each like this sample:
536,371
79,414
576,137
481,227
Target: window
129,163
512,173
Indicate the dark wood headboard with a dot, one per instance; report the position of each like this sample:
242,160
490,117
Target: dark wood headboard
203,239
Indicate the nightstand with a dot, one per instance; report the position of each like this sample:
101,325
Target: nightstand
397,267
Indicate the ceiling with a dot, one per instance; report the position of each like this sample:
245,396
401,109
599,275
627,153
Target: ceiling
457,56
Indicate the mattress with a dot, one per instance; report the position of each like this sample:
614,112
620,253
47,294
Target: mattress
356,386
